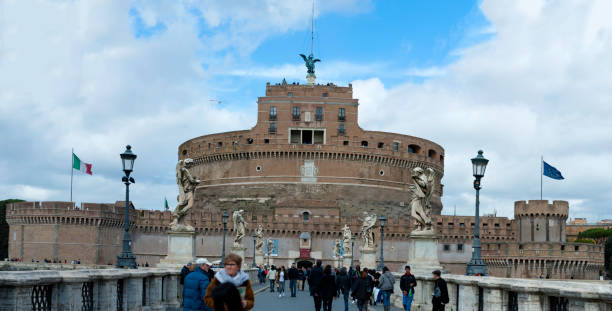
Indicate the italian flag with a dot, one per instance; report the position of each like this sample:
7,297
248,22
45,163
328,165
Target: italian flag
77,164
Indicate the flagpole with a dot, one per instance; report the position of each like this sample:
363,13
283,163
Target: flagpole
71,172
541,174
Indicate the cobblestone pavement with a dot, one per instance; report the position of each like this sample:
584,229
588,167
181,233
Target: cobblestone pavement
266,301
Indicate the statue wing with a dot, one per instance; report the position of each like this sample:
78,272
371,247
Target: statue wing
316,60
304,57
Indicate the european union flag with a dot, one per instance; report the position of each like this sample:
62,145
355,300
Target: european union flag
550,171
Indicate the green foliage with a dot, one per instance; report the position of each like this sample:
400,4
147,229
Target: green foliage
595,233
608,254
585,240
4,228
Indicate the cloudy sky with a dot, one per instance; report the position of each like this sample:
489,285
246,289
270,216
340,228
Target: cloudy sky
518,79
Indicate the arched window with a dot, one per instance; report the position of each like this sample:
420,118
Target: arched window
414,149
431,153
364,143
306,216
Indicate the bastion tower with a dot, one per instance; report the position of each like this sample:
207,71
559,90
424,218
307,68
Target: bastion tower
308,157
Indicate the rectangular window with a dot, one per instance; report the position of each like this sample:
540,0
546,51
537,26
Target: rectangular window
325,95
462,225
307,137
341,129
319,114
395,146
290,94
318,137
272,127
341,115
273,113
460,247
345,143
446,247
295,136
296,112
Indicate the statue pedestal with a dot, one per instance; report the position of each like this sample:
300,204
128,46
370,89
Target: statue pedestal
239,250
180,249
338,262
259,258
346,261
310,79
368,258
423,253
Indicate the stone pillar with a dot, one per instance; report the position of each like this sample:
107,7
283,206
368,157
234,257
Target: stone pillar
346,261
154,294
423,254
106,294
422,294
368,258
180,249
69,296
19,298
529,301
493,299
239,250
259,258
468,297
133,289
171,292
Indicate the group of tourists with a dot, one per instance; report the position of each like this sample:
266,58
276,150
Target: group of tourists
277,276
367,287
229,289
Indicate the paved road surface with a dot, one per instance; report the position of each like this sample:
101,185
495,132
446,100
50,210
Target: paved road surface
267,301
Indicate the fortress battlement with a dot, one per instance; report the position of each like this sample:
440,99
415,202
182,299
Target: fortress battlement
541,208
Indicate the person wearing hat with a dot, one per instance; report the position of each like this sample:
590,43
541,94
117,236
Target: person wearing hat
195,286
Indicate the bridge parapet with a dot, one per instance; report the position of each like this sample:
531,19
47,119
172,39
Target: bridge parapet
492,293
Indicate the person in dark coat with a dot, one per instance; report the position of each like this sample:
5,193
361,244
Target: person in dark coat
301,278
327,288
440,294
226,297
363,290
293,276
184,271
316,274
194,288
343,284
407,285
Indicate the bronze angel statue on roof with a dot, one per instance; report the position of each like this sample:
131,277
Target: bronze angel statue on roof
310,62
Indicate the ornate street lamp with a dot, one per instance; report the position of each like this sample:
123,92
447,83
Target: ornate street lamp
383,222
126,259
224,217
269,252
254,241
477,266
352,250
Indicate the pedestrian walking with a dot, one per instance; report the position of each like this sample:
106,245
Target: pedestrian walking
195,286
226,297
385,283
293,277
440,293
407,285
281,282
343,285
316,274
327,288
232,273
301,278
272,278
362,290
184,271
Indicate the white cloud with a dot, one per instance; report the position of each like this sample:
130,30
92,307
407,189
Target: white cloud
540,86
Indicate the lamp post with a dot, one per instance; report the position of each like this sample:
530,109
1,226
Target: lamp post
477,266
383,221
269,252
352,250
254,241
126,259
224,217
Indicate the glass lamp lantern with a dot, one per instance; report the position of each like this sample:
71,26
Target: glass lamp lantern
479,165
127,159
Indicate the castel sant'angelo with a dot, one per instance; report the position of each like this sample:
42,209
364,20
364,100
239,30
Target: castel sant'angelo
304,171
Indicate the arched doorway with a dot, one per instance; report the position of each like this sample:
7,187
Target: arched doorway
304,263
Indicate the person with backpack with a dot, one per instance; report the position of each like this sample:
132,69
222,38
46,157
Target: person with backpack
272,278
385,283
407,285
440,293
362,290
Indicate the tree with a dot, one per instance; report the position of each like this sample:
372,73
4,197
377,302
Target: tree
608,254
4,228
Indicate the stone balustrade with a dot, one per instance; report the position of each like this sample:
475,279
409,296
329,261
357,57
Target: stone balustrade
491,293
93,289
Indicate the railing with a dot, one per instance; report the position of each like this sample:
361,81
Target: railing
90,289
491,293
